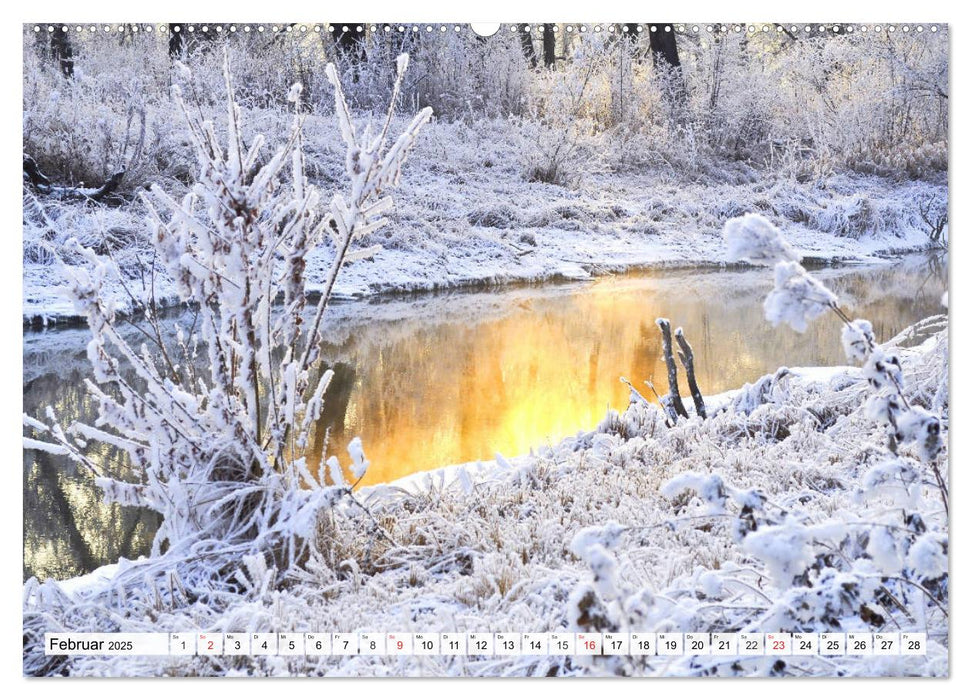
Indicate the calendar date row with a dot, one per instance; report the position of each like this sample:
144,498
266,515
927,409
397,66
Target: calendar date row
488,644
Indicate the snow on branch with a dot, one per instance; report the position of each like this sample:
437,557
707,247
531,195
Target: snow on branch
222,454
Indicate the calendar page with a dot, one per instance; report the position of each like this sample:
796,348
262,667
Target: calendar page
597,349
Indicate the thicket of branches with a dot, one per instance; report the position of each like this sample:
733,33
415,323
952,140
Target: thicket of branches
217,423
803,104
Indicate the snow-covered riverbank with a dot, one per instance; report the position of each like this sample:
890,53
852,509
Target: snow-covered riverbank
618,528
469,223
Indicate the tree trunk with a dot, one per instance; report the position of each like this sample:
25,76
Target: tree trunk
529,51
688,360
664,51
61,50
664,47
176,40
549,46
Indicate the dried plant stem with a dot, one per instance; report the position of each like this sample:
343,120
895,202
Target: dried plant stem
688,360
673,391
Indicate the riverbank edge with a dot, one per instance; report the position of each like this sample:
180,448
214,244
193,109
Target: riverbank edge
476,471
37,319
501,472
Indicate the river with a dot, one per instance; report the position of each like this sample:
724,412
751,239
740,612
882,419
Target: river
436,379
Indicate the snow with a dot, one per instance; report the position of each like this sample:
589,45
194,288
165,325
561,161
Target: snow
486,226
593,530
882,369
752,237
92,581
797,297
928,556
858,339
923,428
359,464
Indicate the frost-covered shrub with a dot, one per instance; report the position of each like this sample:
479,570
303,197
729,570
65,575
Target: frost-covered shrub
874,558
563,135
82,130
222,454
798,297
858,546
838,571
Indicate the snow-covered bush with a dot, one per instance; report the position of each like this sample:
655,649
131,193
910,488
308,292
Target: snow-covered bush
82,130
562,138
874,559
798,297
222,454
828,568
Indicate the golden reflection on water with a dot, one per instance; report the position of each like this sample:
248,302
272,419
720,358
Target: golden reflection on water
436,380
549,364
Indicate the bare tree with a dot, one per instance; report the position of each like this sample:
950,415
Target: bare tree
549,45
349,41
61,50
529,51
934,215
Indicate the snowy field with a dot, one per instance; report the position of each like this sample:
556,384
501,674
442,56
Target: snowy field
486,226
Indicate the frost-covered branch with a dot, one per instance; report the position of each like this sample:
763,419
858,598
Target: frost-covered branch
222,454
798,297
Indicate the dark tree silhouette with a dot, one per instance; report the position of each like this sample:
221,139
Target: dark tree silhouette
529,51
664,52
177,40
549,45
349,41
61,50
664,47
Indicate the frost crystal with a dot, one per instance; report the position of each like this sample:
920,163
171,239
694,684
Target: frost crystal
752,237
356,450
883,549
797,297
883,408
928,556
335,472
858,340
783,548
922,428
606,536
882,370
604,568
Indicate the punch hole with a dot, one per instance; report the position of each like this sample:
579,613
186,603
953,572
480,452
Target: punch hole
485,29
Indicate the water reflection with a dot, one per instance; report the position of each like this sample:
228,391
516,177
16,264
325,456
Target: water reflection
434,380
68,529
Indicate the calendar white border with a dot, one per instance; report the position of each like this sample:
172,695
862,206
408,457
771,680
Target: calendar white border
439,10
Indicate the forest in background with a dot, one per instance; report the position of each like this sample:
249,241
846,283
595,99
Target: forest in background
555,151
806,101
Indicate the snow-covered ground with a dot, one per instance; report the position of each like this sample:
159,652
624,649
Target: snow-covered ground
633,526
464,214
